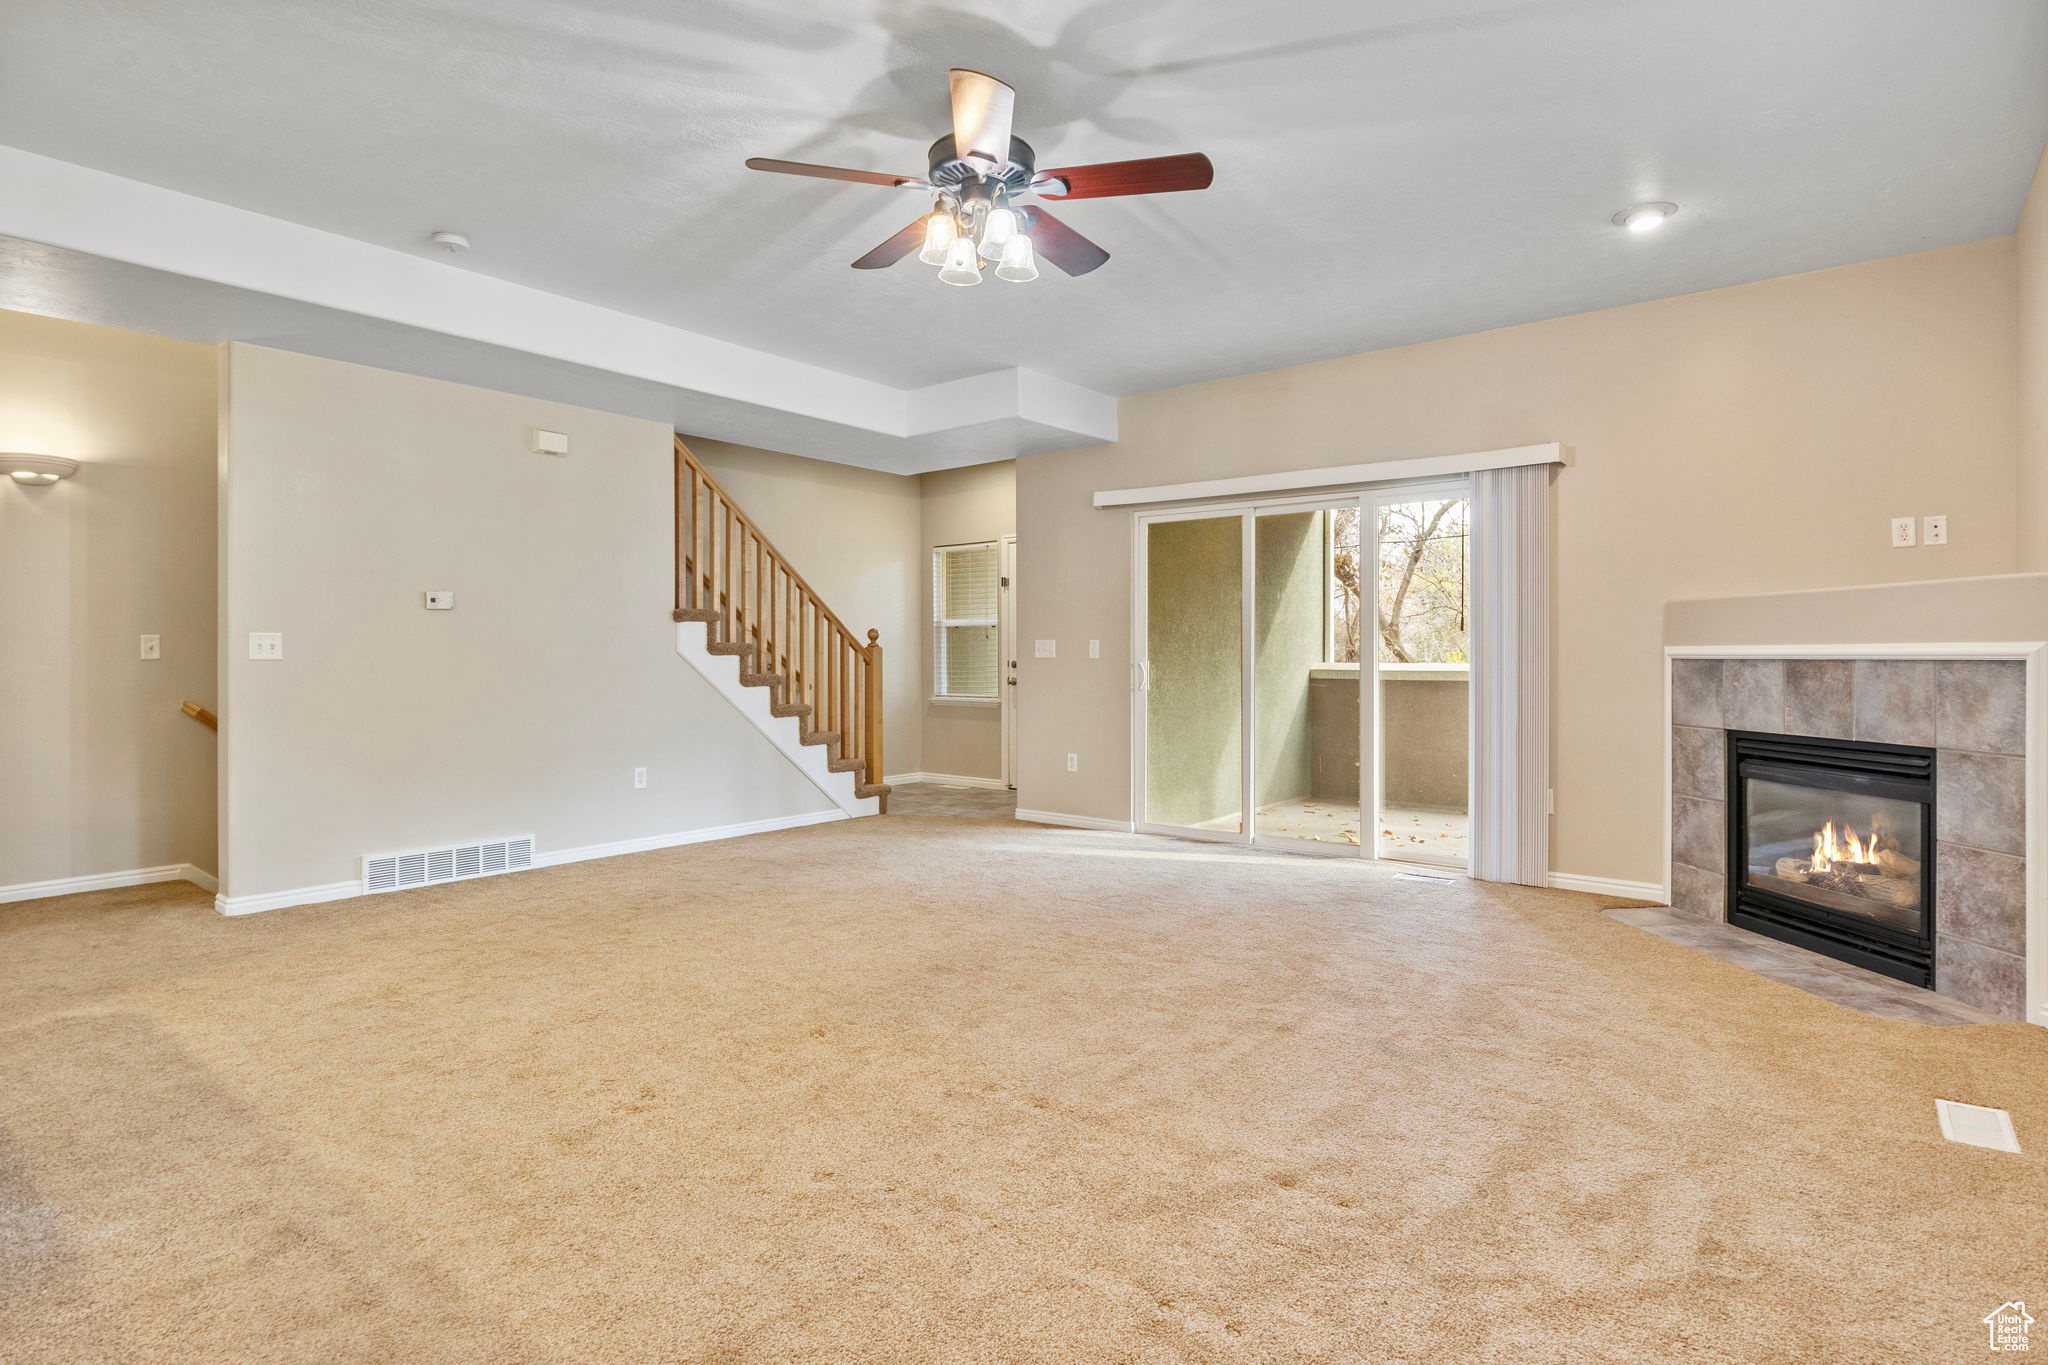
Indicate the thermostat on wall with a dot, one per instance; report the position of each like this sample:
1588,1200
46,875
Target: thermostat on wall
440,601
549,442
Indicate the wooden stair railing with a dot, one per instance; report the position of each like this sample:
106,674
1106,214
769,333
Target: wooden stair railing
760,608
201,714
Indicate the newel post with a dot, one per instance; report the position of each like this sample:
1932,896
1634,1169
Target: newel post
874,706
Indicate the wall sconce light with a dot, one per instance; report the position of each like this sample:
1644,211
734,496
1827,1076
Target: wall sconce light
37,469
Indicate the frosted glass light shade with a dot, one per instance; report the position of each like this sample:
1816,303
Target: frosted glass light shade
961,267
939,232
998,231
1020,262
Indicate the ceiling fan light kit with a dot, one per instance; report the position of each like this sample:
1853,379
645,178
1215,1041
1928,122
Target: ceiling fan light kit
977,176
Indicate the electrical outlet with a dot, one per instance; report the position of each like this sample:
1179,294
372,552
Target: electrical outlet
266,644
1934,530
1073,763
1045,649
152,646
639,777
1095,649
440,601
1903,535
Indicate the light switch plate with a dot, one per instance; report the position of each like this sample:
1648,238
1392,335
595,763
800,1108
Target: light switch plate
1045,649
266,644
1904,533
1934,530
440,601
152,646
1095,649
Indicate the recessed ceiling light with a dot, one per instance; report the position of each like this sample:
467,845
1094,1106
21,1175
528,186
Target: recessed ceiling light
1645,217
450,241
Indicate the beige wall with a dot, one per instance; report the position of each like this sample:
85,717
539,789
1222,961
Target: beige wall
352,491
99,772
1736,441
961,507
2032,247
2003,609
853,534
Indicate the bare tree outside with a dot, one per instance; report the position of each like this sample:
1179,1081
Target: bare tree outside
1421,599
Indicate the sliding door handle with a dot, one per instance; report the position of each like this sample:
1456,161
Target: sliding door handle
1144,675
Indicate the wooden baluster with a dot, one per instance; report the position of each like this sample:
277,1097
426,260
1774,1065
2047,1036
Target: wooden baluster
874,707
682,539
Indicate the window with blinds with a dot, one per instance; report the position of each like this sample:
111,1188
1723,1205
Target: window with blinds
965,590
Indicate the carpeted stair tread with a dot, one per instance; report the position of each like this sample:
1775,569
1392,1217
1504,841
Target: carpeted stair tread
819,737
740,648
866,789
845,765
708,614
790,708
760,679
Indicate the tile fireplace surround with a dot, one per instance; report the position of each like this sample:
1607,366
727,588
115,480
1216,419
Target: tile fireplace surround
1972,711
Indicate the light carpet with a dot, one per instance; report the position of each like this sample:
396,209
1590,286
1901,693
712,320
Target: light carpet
930,1090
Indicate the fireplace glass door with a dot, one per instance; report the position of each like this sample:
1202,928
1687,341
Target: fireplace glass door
1831,847
1853,853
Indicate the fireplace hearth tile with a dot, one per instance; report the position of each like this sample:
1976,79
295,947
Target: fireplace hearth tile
1698,895
1981,705
1823,977
1990,980
1699,762
1696,692
1982,897
1753,694
1980,800
1699,833
1895,701
1820,698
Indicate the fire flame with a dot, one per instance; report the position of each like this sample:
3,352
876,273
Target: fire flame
1829,850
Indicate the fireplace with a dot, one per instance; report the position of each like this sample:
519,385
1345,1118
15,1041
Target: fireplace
1831,847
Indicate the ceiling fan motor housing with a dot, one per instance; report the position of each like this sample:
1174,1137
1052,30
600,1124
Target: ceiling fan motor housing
951,174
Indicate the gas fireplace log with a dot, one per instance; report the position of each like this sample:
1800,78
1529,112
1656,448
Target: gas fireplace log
1893,863
1793,869
1900,891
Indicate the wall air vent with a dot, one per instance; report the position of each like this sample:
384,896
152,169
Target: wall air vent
398,871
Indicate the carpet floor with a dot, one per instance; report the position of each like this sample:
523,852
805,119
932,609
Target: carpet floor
913,1089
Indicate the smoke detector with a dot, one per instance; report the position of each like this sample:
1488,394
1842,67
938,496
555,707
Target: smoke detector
450,241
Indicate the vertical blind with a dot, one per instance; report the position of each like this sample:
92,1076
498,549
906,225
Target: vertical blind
965,590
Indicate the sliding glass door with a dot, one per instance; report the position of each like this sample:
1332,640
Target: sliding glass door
1289,650
1421,652
1193,691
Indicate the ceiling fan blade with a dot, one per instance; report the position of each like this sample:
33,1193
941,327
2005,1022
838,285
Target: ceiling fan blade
982,106
763,163
1063,246
1153,175
896,248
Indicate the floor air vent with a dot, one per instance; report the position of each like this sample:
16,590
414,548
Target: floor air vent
397,871
1978,1125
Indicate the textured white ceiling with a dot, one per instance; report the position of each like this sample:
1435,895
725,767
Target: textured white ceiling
1386,172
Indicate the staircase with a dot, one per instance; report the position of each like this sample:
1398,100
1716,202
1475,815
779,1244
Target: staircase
750,624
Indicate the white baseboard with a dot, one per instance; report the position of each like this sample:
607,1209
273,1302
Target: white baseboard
950,780
281,900
106,881
1608,886
688,836
1053,817
335,891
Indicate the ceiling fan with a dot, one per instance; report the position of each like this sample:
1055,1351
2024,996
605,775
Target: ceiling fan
978,174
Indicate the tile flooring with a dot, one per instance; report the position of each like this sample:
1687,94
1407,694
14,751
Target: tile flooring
1810,972
940,798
